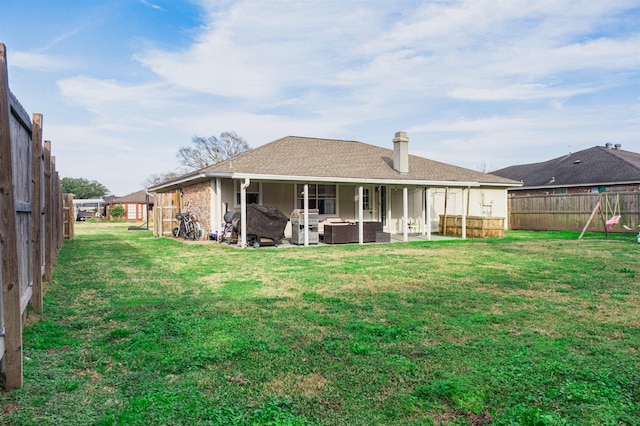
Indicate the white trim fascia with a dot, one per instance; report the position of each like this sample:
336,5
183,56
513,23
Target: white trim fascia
502,185
178,182
291,178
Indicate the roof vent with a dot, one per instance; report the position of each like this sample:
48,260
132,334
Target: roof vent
618,146
608,145
577,162
401,153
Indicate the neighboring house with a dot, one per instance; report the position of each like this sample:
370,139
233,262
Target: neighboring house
599,169
342,179
135,205
84,208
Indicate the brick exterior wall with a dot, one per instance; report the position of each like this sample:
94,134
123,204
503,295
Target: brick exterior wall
196,199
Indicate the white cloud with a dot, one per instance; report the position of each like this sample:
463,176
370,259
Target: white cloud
519,92
259,50
491,81
39,62
151,5
121,107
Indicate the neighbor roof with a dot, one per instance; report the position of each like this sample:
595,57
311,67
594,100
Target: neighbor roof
326,159
595,166
134,197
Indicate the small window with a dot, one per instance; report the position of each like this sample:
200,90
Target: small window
560,191
252,194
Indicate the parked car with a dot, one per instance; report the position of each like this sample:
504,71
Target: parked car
82,216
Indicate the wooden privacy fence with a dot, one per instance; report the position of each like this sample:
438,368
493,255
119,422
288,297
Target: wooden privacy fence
571,212
166,207
31,214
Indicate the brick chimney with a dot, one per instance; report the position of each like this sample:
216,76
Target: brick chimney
401,153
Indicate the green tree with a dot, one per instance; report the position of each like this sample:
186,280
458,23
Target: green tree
117,212
83,188
211,150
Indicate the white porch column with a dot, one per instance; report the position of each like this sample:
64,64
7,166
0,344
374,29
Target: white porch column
464,213
423,225
306,215
507,213
213,211
360,215
243,211
405,214
219,206
428,208
388,208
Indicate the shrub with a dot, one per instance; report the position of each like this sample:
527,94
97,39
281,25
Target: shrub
117,212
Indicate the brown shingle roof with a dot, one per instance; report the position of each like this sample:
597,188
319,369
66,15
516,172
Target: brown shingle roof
592,166
340,159
134,197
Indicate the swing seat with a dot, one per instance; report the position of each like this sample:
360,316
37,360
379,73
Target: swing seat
613,221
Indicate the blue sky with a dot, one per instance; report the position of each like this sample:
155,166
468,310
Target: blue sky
123,84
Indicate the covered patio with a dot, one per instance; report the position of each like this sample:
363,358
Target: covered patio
338,180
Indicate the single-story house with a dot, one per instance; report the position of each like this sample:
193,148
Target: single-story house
135,205
349,180
606,168
84,208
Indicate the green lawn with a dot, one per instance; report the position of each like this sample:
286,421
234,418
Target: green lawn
531,329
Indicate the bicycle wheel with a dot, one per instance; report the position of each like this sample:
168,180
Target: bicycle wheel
188,230
198,230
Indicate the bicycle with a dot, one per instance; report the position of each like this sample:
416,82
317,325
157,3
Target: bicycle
188,227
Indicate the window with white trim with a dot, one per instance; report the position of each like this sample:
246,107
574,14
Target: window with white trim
132,212
252,194
321,197
366,199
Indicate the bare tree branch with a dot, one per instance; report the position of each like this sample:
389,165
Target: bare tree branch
158,178
211,150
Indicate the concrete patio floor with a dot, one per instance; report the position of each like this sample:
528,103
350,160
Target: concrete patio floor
395,238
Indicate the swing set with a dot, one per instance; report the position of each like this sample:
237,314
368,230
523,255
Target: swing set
611,210
615,213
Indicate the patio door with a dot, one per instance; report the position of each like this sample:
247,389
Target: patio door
370,203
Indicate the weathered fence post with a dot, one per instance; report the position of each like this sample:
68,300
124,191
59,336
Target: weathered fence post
12,318
36,199
48,220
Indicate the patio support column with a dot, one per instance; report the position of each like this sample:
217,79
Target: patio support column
405,214
243,211
464,213
219,206
306,214
214,207
423,226
427,195
360,216
506,210
388,208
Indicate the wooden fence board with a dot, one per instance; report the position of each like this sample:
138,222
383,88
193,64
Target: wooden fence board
36,200
12,359
164,212
572,211
48,208
29,212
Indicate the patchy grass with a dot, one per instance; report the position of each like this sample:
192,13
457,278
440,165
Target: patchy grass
531,329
